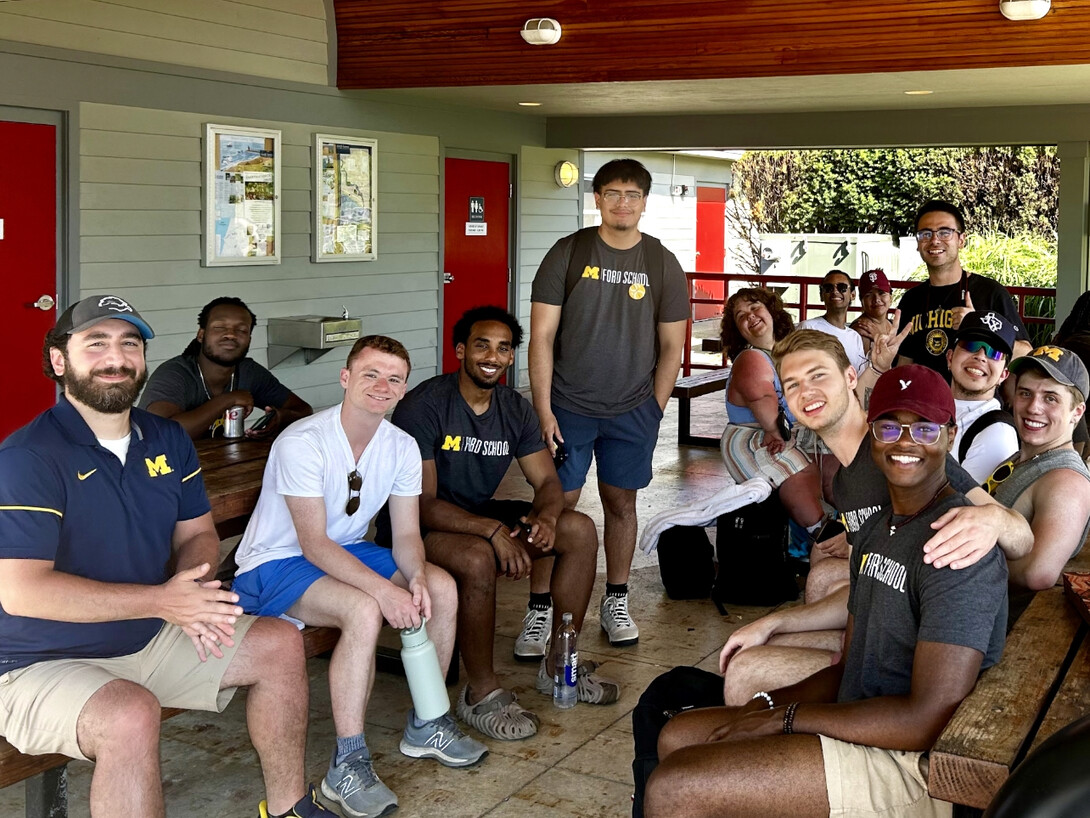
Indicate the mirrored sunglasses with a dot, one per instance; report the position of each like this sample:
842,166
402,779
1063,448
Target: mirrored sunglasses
973,347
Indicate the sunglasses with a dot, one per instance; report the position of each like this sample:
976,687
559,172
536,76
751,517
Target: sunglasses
973,347
355,483
1002,472
923,432
840,287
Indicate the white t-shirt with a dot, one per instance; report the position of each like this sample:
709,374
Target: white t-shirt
991,446
312,458
851,340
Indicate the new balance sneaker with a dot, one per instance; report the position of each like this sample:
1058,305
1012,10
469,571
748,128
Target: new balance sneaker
616,621
354,785
441,739
498,715
308,807
537,627
590,687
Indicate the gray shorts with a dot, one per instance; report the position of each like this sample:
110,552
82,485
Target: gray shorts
40,704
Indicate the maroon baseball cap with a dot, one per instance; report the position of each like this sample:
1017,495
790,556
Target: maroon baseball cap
873,280
912,388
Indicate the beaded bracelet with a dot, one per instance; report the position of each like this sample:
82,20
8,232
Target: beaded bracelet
789,718
760,694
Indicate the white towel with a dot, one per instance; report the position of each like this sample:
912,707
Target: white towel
704,512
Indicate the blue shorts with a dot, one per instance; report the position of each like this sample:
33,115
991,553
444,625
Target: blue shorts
622,446
273,587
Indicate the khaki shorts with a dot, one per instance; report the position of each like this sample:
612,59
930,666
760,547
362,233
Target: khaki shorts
866,781
41,704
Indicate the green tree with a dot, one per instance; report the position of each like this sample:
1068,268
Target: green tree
1003,190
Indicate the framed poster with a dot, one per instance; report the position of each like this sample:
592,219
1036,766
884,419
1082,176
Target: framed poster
345,218
241,196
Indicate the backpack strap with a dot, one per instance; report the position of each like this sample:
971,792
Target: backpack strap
979,425
579,255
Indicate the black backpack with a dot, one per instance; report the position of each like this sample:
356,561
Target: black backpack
682,688
751,547
979,425
685,562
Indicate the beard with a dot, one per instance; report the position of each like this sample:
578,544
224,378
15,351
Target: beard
222,360
481,383
109,399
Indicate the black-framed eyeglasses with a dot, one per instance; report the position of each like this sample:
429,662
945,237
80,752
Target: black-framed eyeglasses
973,347
943,233
355,483
828,287
630,196
923,432
1002,472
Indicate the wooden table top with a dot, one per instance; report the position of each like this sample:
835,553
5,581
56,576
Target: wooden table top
232,471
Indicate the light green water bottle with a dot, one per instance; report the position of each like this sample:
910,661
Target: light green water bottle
426,683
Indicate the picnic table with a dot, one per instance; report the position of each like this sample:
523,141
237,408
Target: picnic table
1041,684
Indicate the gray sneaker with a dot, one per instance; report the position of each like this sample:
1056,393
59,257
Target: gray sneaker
441,739
533,642
354,785
592,687
616,621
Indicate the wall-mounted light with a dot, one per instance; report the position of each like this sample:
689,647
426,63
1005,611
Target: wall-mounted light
566,173
1024,9
541,31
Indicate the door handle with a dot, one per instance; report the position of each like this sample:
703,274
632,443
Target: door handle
44,303
448,278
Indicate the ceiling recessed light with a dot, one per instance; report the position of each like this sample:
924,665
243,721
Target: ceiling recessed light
920,93
530,104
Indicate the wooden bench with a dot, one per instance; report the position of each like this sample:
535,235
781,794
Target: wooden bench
693,386
1041,684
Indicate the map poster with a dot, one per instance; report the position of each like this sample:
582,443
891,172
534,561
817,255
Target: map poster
242,196
344,198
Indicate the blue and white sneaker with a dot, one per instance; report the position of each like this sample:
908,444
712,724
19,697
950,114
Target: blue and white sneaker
354,785
441,739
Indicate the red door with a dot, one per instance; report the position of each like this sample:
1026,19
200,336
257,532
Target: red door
711,205
475,237
28,267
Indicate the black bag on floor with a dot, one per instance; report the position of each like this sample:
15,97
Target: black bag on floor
682,688
685,562
751,548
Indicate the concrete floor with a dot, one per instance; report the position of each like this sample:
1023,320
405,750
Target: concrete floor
579,764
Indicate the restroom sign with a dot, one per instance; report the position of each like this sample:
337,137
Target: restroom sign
476,208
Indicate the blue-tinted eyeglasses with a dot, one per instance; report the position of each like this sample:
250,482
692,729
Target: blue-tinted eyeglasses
923,432
973,347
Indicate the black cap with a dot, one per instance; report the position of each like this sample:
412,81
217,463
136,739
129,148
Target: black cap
87,312
1062,365
990,327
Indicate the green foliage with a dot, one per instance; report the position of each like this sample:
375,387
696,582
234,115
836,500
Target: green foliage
1009,190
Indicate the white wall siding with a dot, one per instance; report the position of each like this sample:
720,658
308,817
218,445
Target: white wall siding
282,39
546,212
140,236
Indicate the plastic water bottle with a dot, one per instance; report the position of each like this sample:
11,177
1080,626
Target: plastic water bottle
427,686
567,664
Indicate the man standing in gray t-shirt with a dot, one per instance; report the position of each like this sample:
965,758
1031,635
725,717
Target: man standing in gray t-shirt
605,348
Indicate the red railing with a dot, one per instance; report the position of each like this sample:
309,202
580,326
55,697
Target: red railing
804,304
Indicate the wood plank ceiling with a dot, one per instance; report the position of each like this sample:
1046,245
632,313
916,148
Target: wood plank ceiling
405,44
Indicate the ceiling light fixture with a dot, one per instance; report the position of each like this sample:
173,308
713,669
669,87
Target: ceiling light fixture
919,93
541,31
1024,9
530,104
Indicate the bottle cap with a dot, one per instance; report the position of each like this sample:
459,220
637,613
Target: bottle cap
414,637
566,617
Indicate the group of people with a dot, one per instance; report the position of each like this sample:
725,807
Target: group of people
955,509
109,608
101,624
